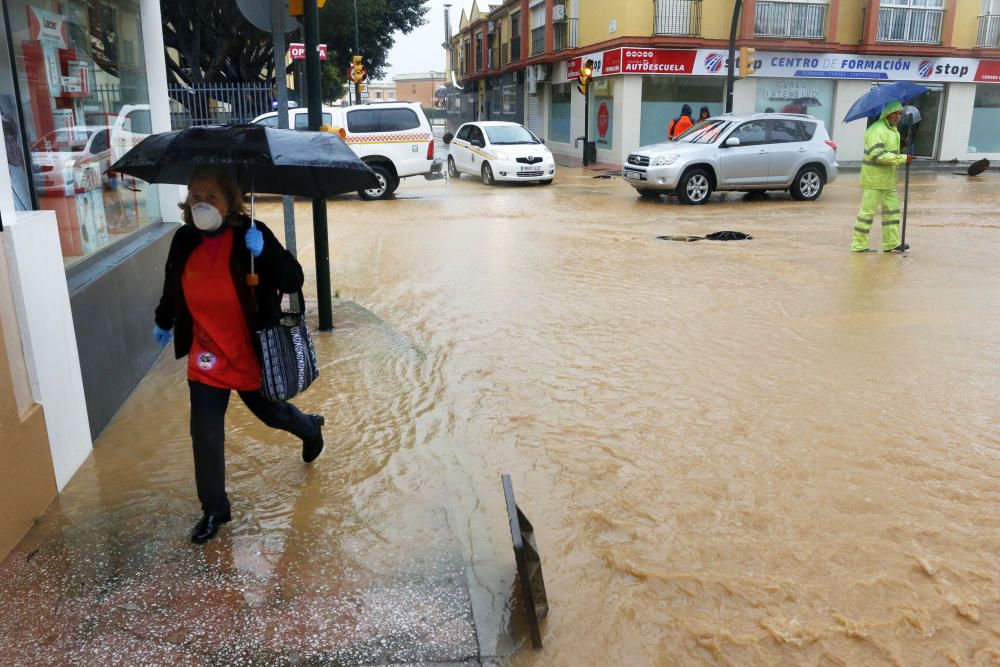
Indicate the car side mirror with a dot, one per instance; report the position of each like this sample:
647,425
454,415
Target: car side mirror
447,137
732,141
478,143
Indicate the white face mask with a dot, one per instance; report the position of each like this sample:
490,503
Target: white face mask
206,217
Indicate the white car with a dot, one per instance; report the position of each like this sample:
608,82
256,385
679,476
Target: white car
500,151
393,138
60,157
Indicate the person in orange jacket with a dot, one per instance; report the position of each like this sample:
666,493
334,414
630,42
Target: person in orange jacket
681,124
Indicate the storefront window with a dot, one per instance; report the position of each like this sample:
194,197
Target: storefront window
983,135
509,99
602,105
663,97
809,96
13,138
559,112
84,103
496,93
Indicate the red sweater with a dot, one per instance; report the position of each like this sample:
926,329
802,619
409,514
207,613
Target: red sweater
222,352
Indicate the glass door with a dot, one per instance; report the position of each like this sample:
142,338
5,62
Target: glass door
926,133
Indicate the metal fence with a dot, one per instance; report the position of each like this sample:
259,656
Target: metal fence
217,104
989,32
790,20
677,17
916,26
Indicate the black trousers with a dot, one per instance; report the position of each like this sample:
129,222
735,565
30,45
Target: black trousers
208,436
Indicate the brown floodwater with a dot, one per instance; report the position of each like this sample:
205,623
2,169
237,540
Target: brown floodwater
758,452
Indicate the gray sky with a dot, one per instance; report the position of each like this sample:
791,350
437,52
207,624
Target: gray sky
421,51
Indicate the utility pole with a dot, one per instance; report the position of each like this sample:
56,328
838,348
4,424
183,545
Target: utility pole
310,19
731,72
357,51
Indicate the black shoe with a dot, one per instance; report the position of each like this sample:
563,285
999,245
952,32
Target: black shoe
312,447
900,248
208,527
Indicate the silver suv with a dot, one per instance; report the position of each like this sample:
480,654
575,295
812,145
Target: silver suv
744,152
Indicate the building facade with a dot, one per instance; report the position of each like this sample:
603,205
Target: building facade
82,250
812,56
419,87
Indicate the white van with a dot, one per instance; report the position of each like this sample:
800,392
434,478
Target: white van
393,138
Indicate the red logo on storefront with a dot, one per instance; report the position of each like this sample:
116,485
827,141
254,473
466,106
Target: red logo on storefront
989,70
602,119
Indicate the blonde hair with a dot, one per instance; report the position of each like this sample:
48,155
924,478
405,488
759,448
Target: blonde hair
230,190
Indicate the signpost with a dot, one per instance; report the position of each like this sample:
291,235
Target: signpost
297,51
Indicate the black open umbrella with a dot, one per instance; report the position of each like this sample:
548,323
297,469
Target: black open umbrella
260,158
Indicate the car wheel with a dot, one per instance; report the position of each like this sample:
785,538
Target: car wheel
808,184
487,172
394,184
452,169
384,189
646,193
695,187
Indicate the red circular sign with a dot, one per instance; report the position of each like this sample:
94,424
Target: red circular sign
602,119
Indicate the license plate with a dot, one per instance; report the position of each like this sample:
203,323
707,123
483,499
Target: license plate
527,167
638,175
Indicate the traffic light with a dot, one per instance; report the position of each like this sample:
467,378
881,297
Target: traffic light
295,6
585,75
748,61
357,70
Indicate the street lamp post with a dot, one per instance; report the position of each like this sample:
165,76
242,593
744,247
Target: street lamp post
357,51
730,72
310,16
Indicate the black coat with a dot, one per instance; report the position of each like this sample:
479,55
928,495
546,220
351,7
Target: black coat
277,268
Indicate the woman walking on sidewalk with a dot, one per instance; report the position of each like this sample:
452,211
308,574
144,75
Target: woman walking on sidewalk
214,313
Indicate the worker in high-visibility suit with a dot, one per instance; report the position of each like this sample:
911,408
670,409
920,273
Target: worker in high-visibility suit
879,178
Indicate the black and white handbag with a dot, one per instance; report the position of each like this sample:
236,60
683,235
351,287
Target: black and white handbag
287,355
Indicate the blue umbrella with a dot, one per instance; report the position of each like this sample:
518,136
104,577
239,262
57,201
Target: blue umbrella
871,103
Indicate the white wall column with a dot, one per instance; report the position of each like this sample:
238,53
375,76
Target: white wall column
628,115
9,318
957,123
849,137
38,279
159,100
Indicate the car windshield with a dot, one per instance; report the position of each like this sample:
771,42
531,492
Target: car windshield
706,132
509,134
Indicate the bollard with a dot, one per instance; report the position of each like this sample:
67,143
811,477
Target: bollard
529,564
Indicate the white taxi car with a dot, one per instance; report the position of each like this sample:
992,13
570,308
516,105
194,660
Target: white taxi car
500,151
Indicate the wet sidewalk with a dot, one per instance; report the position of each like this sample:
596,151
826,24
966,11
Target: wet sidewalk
322,564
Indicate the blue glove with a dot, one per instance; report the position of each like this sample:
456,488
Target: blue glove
162,336
255,241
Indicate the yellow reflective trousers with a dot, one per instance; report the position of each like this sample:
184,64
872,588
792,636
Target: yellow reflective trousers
871,201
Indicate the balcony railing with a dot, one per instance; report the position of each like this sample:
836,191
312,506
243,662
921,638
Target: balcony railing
538,41
914,26
677,17
492,58
504,54
515,49
790,20
566,34
479,58
989,32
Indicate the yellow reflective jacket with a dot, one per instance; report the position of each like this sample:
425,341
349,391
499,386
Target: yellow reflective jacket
882,156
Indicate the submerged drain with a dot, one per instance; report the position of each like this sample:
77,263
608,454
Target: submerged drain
714,236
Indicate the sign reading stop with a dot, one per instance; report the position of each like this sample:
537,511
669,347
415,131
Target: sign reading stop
602,119
297,51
